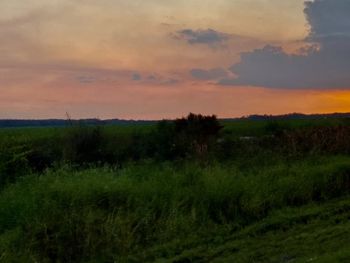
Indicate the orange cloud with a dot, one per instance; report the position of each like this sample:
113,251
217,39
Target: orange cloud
79,57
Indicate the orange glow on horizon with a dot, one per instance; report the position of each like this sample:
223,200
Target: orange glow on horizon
121,59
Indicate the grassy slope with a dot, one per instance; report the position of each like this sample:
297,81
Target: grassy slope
314,233
249,211
179,214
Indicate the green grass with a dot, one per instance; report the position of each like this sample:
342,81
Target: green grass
180,213
261,127
238,127
313,233
92,194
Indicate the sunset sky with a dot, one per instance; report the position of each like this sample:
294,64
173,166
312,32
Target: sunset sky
153,59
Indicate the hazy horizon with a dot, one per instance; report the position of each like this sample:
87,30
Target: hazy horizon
180,116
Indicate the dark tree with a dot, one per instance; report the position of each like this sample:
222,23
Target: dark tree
197,133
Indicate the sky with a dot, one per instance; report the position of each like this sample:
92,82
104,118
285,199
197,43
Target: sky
154,59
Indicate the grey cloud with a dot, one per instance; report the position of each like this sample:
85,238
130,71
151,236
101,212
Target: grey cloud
86,79
155,79
163,80
211,74
151,77
328,18
325,64
171,81
136,77
208,37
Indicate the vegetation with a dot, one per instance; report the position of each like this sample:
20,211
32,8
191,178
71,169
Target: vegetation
189,190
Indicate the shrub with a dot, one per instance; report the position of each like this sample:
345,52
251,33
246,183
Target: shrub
197,133
13,162
317,140
83,145
193,136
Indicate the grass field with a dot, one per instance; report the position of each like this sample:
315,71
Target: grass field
259,191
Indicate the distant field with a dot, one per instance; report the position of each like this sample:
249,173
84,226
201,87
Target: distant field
238,127
253,191
261,127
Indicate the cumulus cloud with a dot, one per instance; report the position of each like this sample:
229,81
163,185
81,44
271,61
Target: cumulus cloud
328,18
208,37
211,74
325,63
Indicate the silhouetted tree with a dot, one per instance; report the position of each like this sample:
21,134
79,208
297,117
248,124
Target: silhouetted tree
196,133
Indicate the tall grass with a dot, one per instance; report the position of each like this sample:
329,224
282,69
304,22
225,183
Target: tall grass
109,194
106,215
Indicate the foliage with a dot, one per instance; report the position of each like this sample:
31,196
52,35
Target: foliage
106,215
83,144
144,194
196,133
13,162
193,136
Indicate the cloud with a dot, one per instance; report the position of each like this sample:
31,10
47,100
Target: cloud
171,81
211,74
29,18
136,77
151,77
328,18
161,80
154,79
323,63
208,37
86,79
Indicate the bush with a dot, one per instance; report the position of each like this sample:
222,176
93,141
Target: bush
194,136
13,162
83,145
317,140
